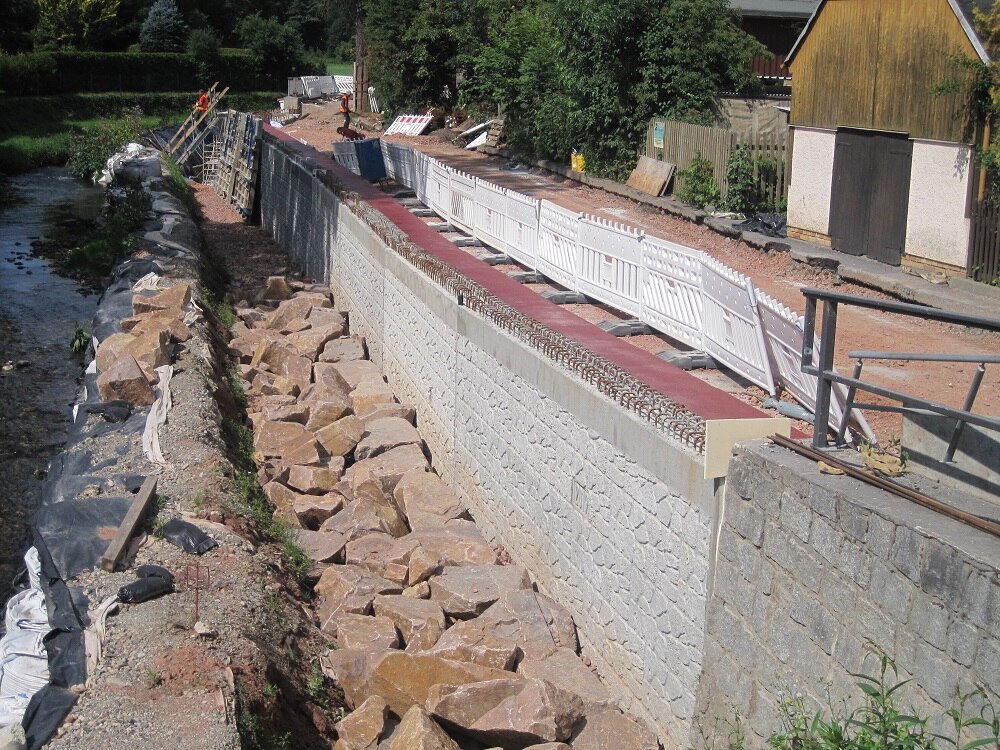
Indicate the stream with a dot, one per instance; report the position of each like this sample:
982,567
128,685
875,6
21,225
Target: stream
39,376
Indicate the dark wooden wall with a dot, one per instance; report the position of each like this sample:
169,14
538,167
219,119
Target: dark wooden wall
872,64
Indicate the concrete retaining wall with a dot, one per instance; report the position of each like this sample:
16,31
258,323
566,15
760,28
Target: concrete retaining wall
811,567
611,517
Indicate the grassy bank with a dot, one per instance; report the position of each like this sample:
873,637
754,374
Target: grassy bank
35,131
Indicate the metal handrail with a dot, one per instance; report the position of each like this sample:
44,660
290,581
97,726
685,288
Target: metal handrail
826,376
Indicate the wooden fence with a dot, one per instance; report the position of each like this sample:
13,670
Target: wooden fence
682,140
985,262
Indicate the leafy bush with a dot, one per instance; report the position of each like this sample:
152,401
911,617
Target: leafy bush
700,188
90,148
743,195
96,258
276,50
164,29
203,46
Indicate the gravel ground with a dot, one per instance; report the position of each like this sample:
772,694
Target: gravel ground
773,272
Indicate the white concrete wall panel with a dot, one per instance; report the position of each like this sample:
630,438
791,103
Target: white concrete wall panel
812,179
937,226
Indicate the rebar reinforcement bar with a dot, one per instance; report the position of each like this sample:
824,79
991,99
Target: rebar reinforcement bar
970,519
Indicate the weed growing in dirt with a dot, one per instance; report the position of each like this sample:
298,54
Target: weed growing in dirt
316,685
295,556
248,723
154,678
221,309
181,188
233,380
272,691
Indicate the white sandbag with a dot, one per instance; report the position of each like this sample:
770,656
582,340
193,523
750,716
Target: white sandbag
11,712
24,664
26,612
34,566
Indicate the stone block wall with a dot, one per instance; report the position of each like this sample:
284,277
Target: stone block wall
811,568
612,517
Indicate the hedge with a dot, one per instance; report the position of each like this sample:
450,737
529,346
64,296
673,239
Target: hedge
43,73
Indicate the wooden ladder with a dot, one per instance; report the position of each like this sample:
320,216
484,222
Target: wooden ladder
195,119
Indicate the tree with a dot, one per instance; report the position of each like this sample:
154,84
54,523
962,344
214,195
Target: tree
73,23
164,29
276,47
20,17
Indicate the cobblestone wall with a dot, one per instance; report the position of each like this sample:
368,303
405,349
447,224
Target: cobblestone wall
812,567
611,517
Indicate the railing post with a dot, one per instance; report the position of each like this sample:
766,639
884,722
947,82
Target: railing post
824,386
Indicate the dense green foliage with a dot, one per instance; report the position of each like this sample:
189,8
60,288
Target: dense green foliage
90,147
276,49
699,188
164,29
582,74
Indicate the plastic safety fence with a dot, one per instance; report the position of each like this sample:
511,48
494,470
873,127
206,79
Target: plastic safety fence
521,228
491,215
344,84
421,172
671,290
438,189
609,267
731,324
346,155
409,124
558,244
462,200
311,87
326,85
783,333
399,164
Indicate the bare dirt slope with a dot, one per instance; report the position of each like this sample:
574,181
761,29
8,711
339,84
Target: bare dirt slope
775,273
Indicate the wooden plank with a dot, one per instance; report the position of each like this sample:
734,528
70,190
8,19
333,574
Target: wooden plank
135,516
651,176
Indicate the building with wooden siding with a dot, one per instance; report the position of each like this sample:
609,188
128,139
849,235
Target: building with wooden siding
883,159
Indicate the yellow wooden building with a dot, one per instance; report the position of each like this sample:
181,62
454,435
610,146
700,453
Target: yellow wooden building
883,162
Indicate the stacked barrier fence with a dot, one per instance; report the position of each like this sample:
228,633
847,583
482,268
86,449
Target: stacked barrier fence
674,289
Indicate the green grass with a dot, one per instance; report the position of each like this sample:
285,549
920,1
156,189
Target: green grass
339,68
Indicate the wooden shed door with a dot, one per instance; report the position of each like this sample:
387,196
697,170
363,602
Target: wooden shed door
871,187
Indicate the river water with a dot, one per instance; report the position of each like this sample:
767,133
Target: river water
39,312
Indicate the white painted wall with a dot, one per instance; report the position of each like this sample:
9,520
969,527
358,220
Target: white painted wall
812,179
937,226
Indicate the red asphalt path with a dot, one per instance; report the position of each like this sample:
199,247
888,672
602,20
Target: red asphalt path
703,399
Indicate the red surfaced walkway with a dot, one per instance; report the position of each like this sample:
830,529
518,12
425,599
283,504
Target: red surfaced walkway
703,399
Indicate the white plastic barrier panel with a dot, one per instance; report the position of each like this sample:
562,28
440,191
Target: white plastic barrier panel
405,170
462,200
491,215
311,86
608,268
731,323
438,193
344,84
326,85
671,290
521,228
783,332
421,168
389,159
346,155
558,244
295,87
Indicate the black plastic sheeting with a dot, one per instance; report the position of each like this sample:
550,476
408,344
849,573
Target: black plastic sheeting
153,581
187,536
773,225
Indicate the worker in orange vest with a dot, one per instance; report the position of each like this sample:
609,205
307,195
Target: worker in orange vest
202,105
345,108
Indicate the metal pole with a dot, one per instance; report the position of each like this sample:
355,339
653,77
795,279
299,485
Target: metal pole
849,404
970,398
824,386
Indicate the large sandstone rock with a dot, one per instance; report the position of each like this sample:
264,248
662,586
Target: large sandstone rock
316,480
298,370
349,588
527,619
125,380
362,728
293,309
564,669
313,510
426,500
177,295
466,592
382,554
170,321
387,468
609,727
343,349
404,679
323,391
385,434
355,371
275,438
549,746
311,341
380,411
109,350
371,511
324,413
365,632
275,288
351,670
418,731
477,646
245,346
370,395
419,621
340,437
293,412
321,546
151,350
457,542
323,316
512,711
273,352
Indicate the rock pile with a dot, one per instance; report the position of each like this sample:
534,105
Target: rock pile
127,361
439,646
